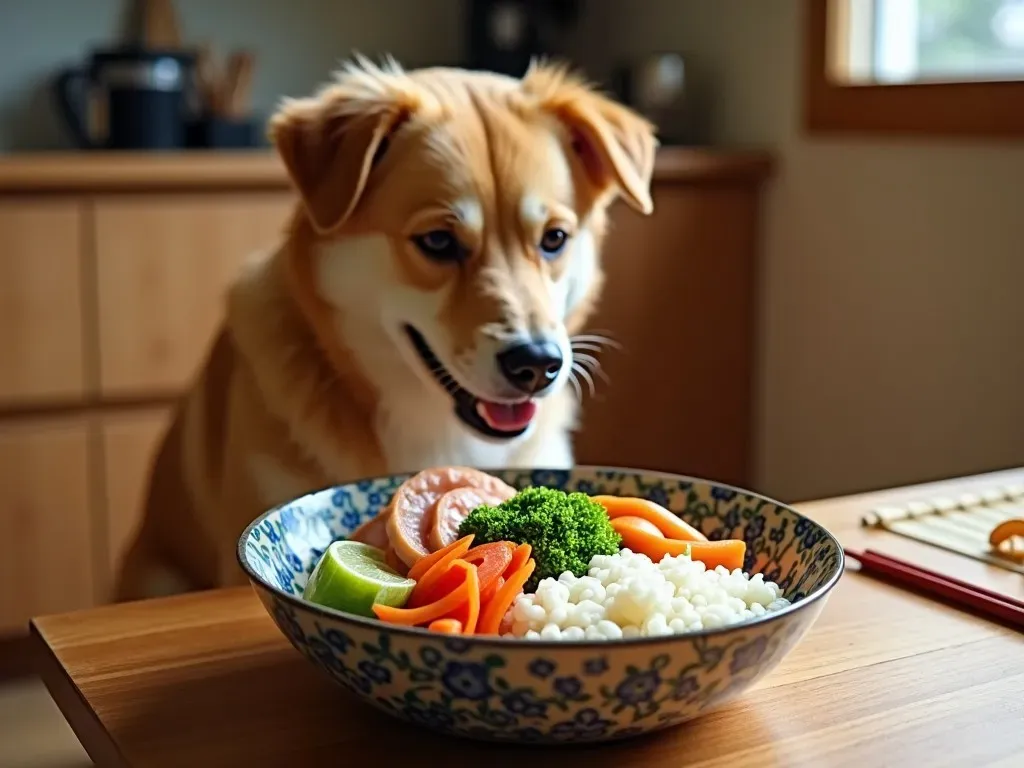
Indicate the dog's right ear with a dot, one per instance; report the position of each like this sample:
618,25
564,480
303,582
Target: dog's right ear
329,143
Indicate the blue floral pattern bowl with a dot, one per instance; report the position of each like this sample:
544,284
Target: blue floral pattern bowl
504,689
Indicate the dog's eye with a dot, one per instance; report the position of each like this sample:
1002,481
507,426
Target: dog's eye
440,245
553,242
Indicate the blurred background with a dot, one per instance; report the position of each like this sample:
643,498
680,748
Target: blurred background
827,299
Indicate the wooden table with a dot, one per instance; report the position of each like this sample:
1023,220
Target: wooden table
883,678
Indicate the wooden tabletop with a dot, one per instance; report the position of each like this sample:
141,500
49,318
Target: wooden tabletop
883,678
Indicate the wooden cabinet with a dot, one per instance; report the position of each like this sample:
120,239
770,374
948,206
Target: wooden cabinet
48,542
128,444
113,269
678,395
112,276
40,300
163,263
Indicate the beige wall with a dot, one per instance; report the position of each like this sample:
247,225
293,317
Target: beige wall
892,320
298,43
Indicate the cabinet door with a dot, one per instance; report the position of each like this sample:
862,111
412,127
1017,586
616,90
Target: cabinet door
46,550
130,441
164,263
679,299
40,300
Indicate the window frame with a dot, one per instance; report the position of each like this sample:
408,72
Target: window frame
993,109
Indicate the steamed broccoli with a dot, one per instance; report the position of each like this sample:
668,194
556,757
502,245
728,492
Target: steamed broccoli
565,530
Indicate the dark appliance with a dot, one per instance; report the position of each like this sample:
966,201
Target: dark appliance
504,35
127,98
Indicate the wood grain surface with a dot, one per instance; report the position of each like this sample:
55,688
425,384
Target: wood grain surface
883,678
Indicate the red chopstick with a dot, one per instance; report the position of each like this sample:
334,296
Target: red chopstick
870,553
983,601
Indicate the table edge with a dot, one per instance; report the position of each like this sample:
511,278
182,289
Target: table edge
94,738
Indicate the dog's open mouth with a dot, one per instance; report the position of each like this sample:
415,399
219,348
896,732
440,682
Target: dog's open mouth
498,420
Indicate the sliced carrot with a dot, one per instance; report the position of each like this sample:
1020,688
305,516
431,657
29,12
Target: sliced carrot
491,590
427,584
496,608
446,626
490,560
424,564
444,607
636,523
666,522
728,552
438,587
468,614
519,557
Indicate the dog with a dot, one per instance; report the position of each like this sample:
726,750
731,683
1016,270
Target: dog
418,311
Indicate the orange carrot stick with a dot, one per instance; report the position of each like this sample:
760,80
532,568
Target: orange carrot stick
519,557
435,582
488,592
632,506
491,561
438,609
470,614
728,552
636,523
424,564
495,610
446,626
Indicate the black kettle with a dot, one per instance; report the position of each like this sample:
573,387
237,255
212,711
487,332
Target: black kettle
127,98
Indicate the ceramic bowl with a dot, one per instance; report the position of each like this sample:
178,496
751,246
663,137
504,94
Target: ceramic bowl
504,689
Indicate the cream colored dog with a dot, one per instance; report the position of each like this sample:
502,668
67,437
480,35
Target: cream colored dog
418,311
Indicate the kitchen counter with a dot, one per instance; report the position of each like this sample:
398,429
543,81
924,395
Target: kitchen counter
261,169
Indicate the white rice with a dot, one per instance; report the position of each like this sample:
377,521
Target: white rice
626,595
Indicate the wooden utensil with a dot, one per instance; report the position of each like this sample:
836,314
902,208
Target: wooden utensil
208,78
154,24
978,599
238,84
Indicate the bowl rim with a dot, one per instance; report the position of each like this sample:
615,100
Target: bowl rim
502,641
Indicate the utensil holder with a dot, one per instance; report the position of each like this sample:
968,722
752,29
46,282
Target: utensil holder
213,132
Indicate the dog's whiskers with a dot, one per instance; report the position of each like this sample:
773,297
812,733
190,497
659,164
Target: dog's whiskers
595,338
576,385
585,374
592,365
587,346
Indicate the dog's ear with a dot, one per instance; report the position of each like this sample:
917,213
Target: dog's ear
330,142
615,145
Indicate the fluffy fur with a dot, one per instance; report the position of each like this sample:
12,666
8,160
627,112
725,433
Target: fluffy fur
312,379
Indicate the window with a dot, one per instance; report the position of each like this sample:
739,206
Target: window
943,67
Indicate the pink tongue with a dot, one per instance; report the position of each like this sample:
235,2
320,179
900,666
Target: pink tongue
505,417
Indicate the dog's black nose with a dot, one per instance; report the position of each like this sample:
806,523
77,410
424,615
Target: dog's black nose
531,367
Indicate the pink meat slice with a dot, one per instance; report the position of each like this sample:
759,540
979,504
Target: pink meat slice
373,532
452,509
415,502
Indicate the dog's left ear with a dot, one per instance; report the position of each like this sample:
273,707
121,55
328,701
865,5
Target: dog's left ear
615,145
329,143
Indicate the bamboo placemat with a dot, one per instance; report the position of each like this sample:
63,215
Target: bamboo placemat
960,525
